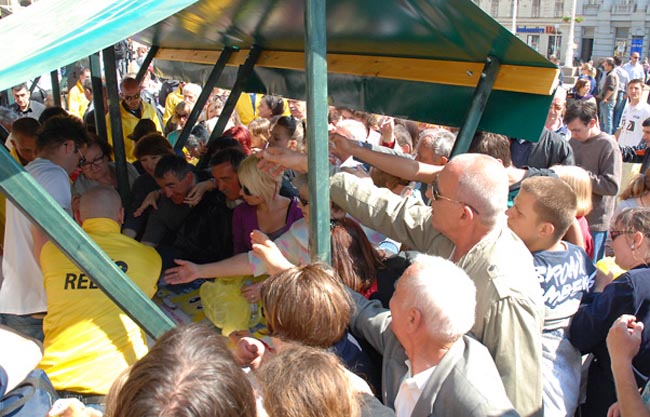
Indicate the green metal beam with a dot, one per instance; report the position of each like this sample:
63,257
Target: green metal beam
26,194
98,96
317,145
116,125
145,64
56,88
34,84
477,107
214,76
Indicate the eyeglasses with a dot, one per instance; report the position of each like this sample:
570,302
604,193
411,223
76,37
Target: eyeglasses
182,116
303,201
133,97
84,163
435,194
613,234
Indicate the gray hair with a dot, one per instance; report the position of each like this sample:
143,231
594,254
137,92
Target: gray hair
192,88
7,116
440,141
443,293
483,184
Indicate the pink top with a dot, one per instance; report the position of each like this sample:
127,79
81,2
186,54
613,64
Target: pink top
586,235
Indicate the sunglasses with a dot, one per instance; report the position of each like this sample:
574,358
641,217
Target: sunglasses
84,163
133,97
613,234
435,194
182,116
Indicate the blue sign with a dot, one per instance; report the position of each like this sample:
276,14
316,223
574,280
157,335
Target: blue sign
526,29
637,46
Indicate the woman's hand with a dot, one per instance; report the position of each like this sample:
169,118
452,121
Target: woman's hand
197,192
151,200
251,292
265,249
624,339
186,271
249,351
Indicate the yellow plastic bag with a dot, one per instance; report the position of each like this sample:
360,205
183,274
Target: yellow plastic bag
224,305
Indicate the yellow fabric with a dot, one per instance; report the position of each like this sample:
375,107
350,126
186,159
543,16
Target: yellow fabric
128,124
77,101
3,206
89,341
244,108
171,101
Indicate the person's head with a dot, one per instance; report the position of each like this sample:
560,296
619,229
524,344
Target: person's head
609,64
130,93
84,75
150,148
306,304
288,132
191,93
542,212
174,176
403,138
223,166
21,96
639,185
142,128
101,201
256,185
434,302
242,135
60,140
260,130
188,372
617,61
434,146
302,381
181,113
588,70
214,108
492,144
23,138
630,237
645,125
635,90
51,112
471,190
578,179
557,109
583,86
94,164
353,257
582,120
87,85
298,109
634,57
271,106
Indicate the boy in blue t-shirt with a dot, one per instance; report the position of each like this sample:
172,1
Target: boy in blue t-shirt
542,213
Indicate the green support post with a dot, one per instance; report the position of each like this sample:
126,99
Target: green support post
56,88
476,108
98,96
26,194
116,124
145,64
203,98
317,135
34,84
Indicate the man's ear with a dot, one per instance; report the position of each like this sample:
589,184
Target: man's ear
406,148
546,230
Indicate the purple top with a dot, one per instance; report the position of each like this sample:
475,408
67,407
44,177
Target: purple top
244,221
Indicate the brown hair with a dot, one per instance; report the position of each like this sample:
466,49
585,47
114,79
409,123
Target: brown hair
635,219
301,381
188,372
638,186
306,304
581,83
153,144
579,181
492,144
353,257
59,129
555,202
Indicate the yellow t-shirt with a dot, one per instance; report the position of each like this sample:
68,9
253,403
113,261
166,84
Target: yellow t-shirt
171,101
77,101
89,341
128,124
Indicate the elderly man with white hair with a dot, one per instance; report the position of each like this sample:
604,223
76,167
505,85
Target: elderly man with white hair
429,366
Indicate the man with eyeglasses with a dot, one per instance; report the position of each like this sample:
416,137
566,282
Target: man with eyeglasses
132,109
23,303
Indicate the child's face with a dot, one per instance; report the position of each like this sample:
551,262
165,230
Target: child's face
258,141
523,220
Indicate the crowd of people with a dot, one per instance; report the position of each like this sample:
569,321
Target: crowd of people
481,284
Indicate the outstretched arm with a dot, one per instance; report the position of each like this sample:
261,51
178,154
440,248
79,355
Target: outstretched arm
187,271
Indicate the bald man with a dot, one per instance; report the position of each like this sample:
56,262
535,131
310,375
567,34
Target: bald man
89,341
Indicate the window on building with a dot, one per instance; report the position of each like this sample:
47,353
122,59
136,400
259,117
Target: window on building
558,10
494,8
535,10
533,41
554,46
620,43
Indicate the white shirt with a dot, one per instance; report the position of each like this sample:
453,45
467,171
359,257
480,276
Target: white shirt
22,290
410,390
634,71
632,123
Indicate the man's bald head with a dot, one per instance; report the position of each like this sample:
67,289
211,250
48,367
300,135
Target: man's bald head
101,202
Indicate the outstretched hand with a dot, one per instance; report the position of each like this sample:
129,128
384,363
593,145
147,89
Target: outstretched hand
186,271
151,200
276,159
265,249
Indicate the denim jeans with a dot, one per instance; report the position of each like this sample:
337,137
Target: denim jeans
25,325
606,116
600,238
618,110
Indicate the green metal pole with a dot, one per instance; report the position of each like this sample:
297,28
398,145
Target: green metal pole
476,108
56,88
28,195
145,64
116,125
317,140
203,98
98,96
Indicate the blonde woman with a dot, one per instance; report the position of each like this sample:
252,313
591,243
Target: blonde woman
637,194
